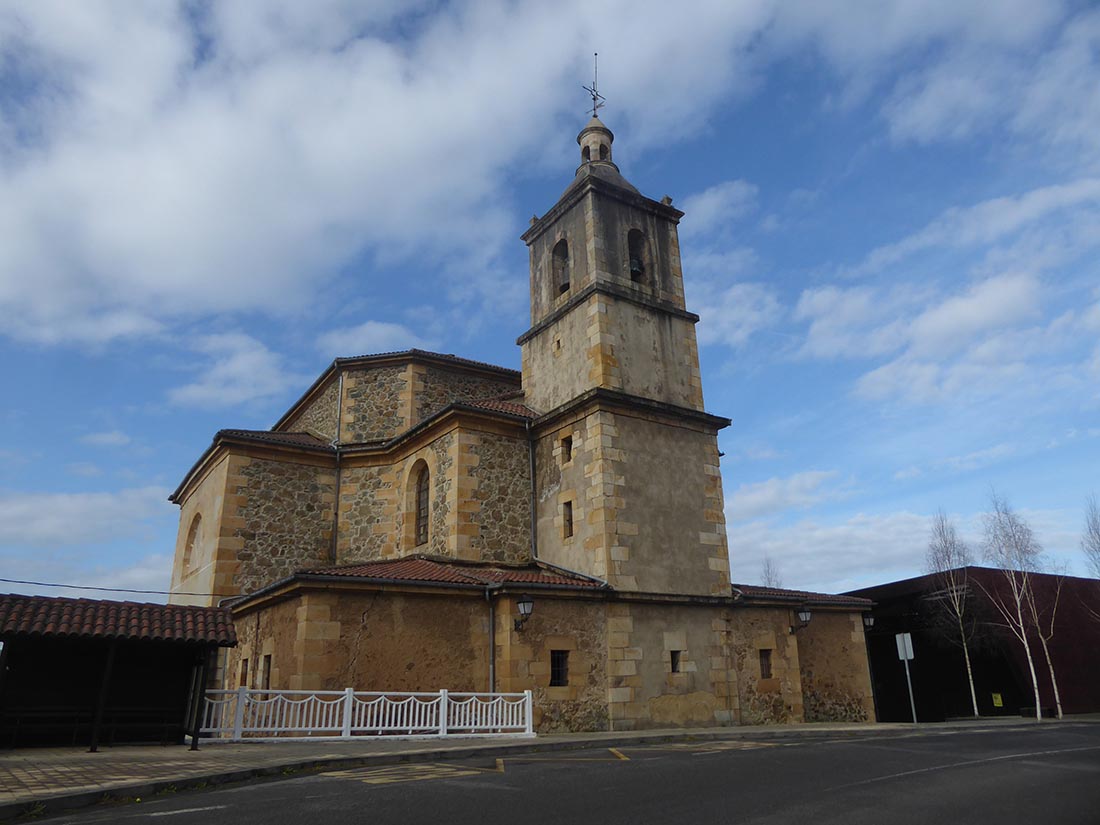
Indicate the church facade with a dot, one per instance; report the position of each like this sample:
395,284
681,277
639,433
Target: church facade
384,533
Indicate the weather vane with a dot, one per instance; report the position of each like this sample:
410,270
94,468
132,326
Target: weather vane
597,98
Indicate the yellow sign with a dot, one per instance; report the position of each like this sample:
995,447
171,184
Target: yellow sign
998,702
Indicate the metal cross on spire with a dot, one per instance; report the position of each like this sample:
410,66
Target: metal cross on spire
597,98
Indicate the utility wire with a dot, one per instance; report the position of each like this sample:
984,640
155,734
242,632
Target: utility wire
107,589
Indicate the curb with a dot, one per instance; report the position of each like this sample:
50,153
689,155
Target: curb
33,808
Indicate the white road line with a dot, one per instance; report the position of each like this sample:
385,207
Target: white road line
963,765
188,810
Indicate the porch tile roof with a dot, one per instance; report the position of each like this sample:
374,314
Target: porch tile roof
421,569
759,593
102,619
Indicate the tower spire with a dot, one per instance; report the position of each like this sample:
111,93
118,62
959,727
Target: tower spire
597,98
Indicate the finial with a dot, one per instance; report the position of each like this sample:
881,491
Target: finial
597,98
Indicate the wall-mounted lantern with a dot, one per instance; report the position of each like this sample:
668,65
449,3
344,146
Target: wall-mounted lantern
525,605
804,615
868,621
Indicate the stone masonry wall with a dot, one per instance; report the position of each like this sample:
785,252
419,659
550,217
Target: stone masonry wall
643,689
376,504
435,388
370,505
765,701
280,513
836,682
320,415
375,404
494,488
523,661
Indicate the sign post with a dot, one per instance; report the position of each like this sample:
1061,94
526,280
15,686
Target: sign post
905,653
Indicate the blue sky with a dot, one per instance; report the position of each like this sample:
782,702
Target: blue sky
893,224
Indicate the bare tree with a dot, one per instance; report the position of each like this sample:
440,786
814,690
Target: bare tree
1090,544
1011,547
1090,541
1044,609
769,573
947,560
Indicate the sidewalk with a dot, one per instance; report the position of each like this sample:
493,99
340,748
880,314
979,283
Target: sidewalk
40,780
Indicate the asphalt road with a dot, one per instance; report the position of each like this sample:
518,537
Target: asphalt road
1047,774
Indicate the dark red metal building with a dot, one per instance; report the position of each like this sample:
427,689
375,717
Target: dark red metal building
1001,675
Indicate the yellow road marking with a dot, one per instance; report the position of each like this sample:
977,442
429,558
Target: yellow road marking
411,773
391,774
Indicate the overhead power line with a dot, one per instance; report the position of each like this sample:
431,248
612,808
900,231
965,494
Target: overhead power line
107,589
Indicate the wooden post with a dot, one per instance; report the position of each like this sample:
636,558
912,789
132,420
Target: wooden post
104,687
200,700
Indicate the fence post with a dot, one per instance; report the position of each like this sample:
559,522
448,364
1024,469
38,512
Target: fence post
443,712
349,705
527,706
238,713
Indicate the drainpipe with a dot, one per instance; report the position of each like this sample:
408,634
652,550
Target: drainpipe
534,494
492,641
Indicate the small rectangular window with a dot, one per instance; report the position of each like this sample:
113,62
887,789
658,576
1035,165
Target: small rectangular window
567,519
559,668
244,672
566,448
765,664
674,656
265,679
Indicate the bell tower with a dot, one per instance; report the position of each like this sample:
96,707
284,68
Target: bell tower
629,486
607,291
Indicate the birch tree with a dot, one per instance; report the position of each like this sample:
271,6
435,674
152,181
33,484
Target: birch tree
1010,546
1044,609
947,560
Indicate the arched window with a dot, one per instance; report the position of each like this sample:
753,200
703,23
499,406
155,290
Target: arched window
603,151
421,523
192,540
586,154
636,251
560,266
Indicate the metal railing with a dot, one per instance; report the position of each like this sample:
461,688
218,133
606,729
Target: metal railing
301,714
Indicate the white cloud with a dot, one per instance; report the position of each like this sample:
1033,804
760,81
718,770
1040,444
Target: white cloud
370,337
832,557
801,490
867,549
83,468
734,314
169,161
714,209
113,438
954,323
65,519
986,222
241,369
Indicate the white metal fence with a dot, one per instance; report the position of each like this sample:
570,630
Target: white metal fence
342,714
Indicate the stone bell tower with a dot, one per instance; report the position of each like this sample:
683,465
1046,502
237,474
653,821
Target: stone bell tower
627,472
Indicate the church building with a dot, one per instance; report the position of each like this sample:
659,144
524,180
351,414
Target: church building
418,521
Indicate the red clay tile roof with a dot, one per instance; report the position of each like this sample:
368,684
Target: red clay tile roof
429,571
754,592
504,406
269,437
101,619
440,356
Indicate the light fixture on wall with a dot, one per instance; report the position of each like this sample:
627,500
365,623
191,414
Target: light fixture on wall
804,616
868,621
524,605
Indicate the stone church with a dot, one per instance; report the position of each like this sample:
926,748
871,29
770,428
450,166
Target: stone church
385,532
